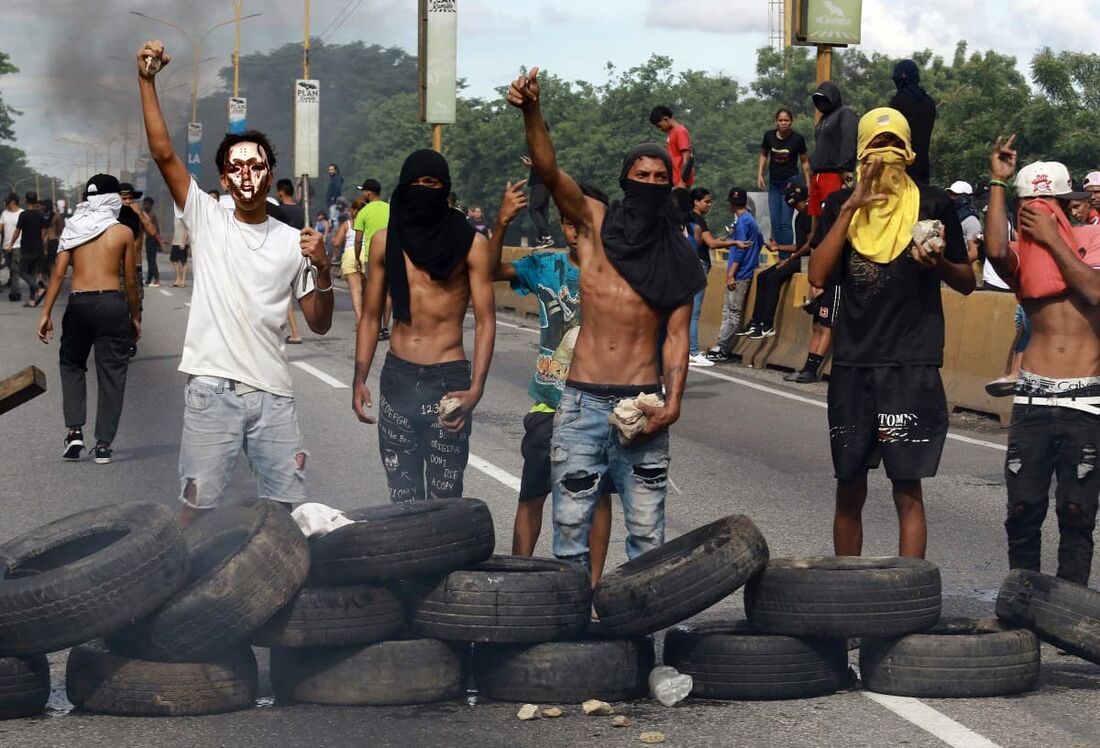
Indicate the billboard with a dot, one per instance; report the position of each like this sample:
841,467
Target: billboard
307,127
438,56
238,114
194,149
834,22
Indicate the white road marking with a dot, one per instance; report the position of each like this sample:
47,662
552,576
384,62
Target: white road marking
494,472
796,398
329,380
931,721
165,291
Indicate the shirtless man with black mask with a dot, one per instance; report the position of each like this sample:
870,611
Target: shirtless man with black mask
638,272
432,263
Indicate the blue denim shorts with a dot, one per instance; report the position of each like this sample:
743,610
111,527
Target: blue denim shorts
218,422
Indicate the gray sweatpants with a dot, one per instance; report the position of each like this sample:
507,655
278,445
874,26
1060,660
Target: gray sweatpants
732,312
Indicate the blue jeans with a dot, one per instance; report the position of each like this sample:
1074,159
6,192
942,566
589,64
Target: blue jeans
586,458
780,213
218,422
696,310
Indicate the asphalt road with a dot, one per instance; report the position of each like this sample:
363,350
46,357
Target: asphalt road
746,443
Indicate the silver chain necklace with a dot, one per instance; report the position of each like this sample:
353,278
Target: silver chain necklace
244,238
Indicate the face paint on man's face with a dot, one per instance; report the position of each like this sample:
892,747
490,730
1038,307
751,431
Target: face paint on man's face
246,171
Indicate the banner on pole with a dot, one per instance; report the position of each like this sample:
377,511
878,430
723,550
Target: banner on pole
307,127
834,22
438,61
238,114
194,149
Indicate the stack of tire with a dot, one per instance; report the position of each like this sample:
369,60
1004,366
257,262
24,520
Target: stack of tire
158,619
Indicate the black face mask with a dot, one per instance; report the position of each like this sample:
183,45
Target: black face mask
423,204
644,199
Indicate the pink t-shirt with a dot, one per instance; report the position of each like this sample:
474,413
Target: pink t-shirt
679,140
1037,275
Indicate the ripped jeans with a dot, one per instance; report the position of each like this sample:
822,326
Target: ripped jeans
218,422
1046,440
586,458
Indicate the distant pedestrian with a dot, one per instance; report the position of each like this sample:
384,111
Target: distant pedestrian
769,284
834,156
351,269
680,150
152,241
783,151
538,205
30,233
919,110
372,218
333,191
1092,186
98,314
741,265
8,220
476,218
181,247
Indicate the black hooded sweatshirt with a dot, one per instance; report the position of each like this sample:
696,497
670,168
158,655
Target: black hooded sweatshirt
835,134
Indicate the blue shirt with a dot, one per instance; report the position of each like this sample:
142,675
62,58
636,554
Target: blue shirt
555,282
746,230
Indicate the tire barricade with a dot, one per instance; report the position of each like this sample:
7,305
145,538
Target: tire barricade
518,628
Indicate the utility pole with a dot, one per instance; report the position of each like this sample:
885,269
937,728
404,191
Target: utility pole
305,48
237,47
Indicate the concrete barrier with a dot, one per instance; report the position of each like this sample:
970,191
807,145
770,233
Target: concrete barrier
978,332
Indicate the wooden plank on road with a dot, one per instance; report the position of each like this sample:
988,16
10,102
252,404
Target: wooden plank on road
21,387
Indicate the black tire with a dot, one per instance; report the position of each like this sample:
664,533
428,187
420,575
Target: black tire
734,661
1063,613
956,658
24,685
391,673
507,599
405,540
564,672
247,562
100,682
87,575
845,596
681,578
334,617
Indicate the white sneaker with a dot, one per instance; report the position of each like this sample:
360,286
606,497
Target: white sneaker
699,360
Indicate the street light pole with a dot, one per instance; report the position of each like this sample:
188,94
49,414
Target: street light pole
237,47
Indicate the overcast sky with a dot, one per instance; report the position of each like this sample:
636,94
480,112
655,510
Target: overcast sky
67,45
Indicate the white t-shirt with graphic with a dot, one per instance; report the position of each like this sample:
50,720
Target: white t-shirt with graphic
245,278
8,220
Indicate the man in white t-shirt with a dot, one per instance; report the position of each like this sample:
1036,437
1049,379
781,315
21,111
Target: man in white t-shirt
8,220
247,268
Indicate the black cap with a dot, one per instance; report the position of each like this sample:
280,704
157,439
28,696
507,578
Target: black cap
101,184
738,196
127,187
370,185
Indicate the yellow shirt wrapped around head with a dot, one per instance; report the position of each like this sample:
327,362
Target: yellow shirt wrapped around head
882,230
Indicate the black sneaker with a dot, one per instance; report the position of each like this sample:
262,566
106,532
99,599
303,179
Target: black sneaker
718,356
750,330
544,242
805,377
74,443
384,333
102,454
760,333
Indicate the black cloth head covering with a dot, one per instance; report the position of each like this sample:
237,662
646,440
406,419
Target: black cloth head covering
642,240
422,226
907,78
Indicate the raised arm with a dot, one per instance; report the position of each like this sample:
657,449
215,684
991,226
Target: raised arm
510,205
524,94
366,336
485,330
1002,167
160,143
827,254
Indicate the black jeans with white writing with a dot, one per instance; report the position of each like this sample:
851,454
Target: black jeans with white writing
1045,441
417,452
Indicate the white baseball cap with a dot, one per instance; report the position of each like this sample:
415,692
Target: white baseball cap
1093,179
1047,179
961,188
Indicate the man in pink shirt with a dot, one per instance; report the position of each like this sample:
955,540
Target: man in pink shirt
679,146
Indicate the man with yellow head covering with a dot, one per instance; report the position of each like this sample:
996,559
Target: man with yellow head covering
886,400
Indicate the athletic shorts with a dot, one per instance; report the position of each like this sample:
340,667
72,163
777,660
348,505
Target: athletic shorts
538,428
178,254
347,263
893,414
821,186
825,307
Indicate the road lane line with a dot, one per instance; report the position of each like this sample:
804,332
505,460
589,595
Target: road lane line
796,398
931,721
494,472
327,379
165,291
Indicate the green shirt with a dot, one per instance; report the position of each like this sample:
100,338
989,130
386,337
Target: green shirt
369,219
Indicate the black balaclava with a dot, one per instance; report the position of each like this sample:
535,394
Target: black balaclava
423,227
642,240
907,78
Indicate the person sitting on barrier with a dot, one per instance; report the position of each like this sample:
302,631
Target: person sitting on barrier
434,264
886,399
553,278
769,284
638,273
1055,429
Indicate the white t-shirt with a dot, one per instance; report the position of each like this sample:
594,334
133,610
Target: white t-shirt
245,277
8,219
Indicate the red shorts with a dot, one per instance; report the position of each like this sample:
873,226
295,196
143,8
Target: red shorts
821,186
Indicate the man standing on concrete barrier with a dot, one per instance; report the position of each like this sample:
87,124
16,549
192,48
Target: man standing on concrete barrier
433,264
638,273
1055,431
886,399
247,268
